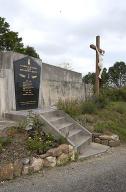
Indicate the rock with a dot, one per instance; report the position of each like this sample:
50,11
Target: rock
115,137
50,162
97,140
25,161
109,137
94,136
105,137
64,148
105,142
6,172
63,159
71,148
17,168
36,164
55,152
113,143
25,170
44,155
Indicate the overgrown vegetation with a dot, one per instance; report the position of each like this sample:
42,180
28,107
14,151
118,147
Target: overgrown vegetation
105,114
28,138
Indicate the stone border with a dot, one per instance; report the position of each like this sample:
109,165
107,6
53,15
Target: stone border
109,140
54,157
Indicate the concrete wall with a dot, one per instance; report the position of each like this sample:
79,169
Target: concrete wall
61,83
55,83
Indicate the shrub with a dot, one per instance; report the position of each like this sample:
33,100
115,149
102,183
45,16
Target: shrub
40,144
4,141
88,107
101,127
119,107
101,101
72,107
115,94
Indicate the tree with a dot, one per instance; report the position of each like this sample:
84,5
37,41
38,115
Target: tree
31,52
89,78
10,41
117,74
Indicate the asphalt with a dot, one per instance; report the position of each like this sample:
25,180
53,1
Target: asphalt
104,173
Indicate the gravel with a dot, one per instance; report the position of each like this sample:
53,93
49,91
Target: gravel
104,173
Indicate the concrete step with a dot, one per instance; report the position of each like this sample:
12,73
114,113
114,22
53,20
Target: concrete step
92,150
52,114
59,121
5,124
70,130
53,119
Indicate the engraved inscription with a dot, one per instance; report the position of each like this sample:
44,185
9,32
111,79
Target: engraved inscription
27,82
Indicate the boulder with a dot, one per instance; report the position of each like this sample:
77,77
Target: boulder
17,168
36,164
63,159
64,148
54,152
6,172
113,143
50,162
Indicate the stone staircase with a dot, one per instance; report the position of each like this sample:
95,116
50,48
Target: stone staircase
60,124
63,124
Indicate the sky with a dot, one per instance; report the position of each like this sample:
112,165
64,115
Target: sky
61,31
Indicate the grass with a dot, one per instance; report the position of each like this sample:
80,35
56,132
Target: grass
105,114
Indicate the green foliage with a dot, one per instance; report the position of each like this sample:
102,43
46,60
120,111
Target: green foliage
101,101
40,144
4,141
72,107
88,107
119,107
115,77
101,127
117,74
31,52
10,40
115,94
62,140
89,78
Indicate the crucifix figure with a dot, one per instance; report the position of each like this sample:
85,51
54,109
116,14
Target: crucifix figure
99,63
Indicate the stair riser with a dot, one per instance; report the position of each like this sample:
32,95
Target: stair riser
75,138
81,148
59,122
14,117
51,114
67,130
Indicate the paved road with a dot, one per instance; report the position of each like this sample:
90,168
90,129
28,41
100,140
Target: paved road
106,173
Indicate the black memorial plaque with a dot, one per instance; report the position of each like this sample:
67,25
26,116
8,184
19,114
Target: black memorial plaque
27,83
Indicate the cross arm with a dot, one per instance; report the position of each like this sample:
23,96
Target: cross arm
94,47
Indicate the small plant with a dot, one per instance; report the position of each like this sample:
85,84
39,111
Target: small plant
4,141
72,107
62,140
88,107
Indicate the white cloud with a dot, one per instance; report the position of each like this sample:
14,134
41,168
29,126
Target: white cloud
62,30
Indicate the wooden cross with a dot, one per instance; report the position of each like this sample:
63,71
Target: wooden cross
97,61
